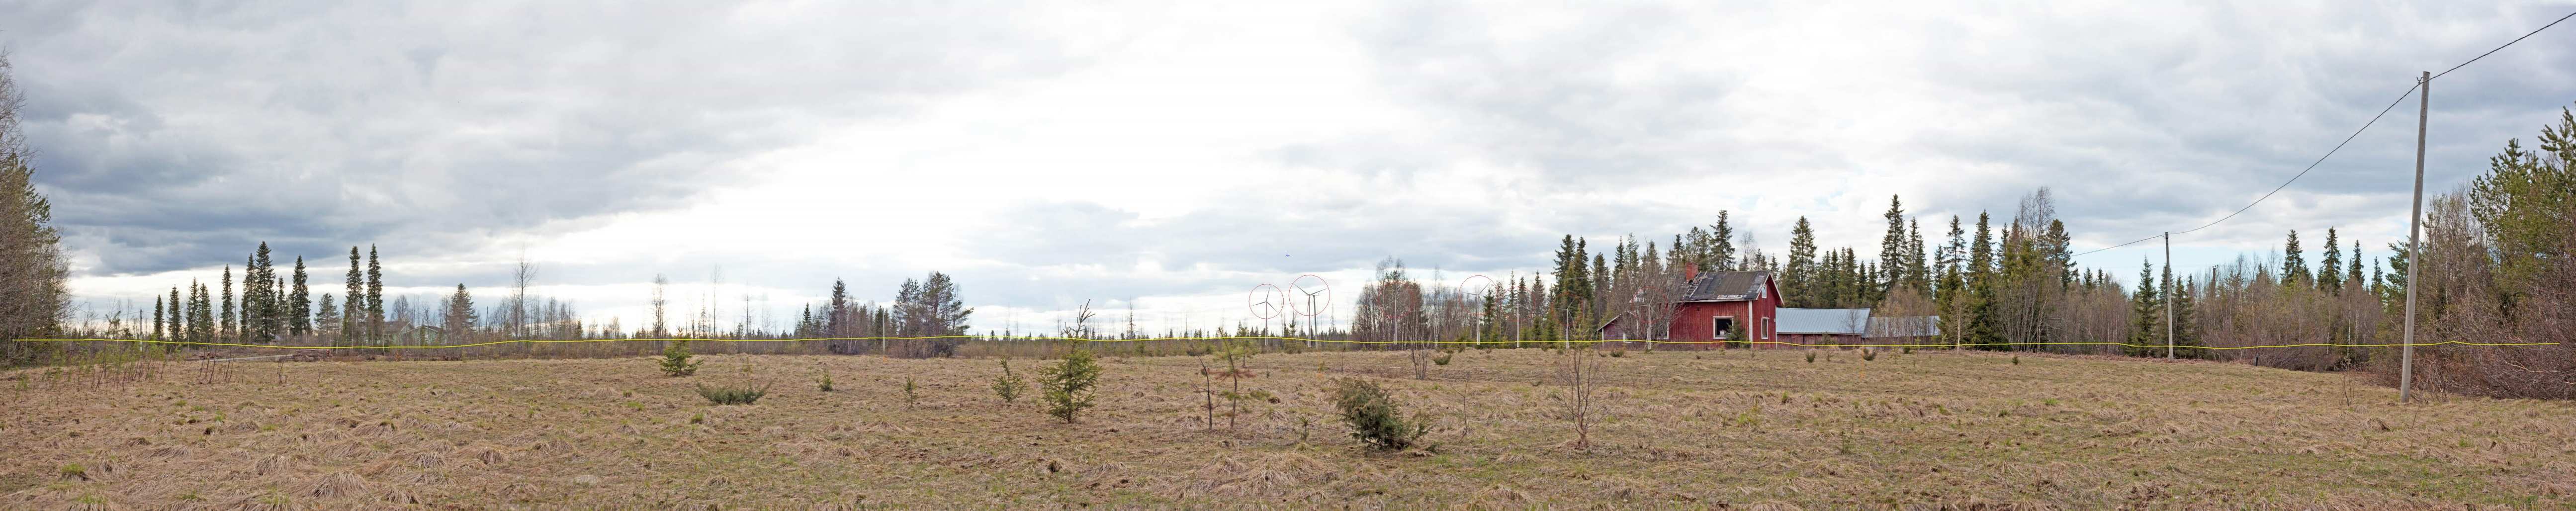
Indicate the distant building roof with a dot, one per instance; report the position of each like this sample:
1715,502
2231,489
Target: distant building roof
1905,326
1724,286
1822,321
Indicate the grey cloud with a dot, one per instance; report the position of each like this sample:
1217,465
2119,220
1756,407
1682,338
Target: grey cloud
1559,101
166,126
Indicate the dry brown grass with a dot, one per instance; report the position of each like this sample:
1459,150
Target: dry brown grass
1675,428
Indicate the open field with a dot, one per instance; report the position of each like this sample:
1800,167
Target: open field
1681,428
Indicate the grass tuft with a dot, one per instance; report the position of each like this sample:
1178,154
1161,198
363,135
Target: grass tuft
731,395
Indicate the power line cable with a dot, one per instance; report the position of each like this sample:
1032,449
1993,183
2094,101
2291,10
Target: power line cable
2365,126
2507,43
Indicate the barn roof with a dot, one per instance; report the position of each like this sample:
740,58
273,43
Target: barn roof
1905,326
1822,321
1725,286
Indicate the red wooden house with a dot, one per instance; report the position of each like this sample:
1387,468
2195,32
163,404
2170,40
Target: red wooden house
1712,306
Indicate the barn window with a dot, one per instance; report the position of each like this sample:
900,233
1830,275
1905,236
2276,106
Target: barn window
1721,327
1766,328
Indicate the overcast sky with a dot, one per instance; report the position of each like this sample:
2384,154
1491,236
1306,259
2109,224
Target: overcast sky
1173,156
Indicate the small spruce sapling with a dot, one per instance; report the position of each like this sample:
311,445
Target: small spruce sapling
1234,355
911,394
1008,384
1068,384
676,359
1374,417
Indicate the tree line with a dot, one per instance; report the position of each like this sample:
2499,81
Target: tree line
33,300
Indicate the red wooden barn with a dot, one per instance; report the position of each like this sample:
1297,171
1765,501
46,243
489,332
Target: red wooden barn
1711,306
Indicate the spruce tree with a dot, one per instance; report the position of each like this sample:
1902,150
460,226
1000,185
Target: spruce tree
156,317
836,318
1918,266
2352,275
1720,255
375,296
299,314
1569,279
268,312
326,313
2146,313
178,317
2183,334
1981,283
352,302
1892,246
2330,273
460,316
201,314
2294,267
1799,279
228,328
1952,282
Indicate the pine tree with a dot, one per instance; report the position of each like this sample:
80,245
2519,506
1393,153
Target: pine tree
2352,275
1799,280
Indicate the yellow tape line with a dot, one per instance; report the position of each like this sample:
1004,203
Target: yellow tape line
1296,339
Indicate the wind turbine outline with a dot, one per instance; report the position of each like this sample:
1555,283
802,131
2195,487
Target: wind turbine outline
1268,307
1316,300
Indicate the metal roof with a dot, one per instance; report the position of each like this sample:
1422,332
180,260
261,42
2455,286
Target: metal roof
1723,286
1822,321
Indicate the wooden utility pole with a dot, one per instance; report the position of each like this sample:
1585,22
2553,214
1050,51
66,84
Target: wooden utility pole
2169,291
2414,241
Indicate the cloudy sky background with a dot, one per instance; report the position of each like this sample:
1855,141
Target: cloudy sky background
1171,156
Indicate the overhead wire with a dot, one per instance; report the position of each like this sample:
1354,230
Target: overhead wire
2338,147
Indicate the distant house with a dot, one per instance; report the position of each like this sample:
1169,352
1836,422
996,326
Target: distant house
1712,307
1823,326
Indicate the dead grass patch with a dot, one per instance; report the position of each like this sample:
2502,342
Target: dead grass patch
1748,428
